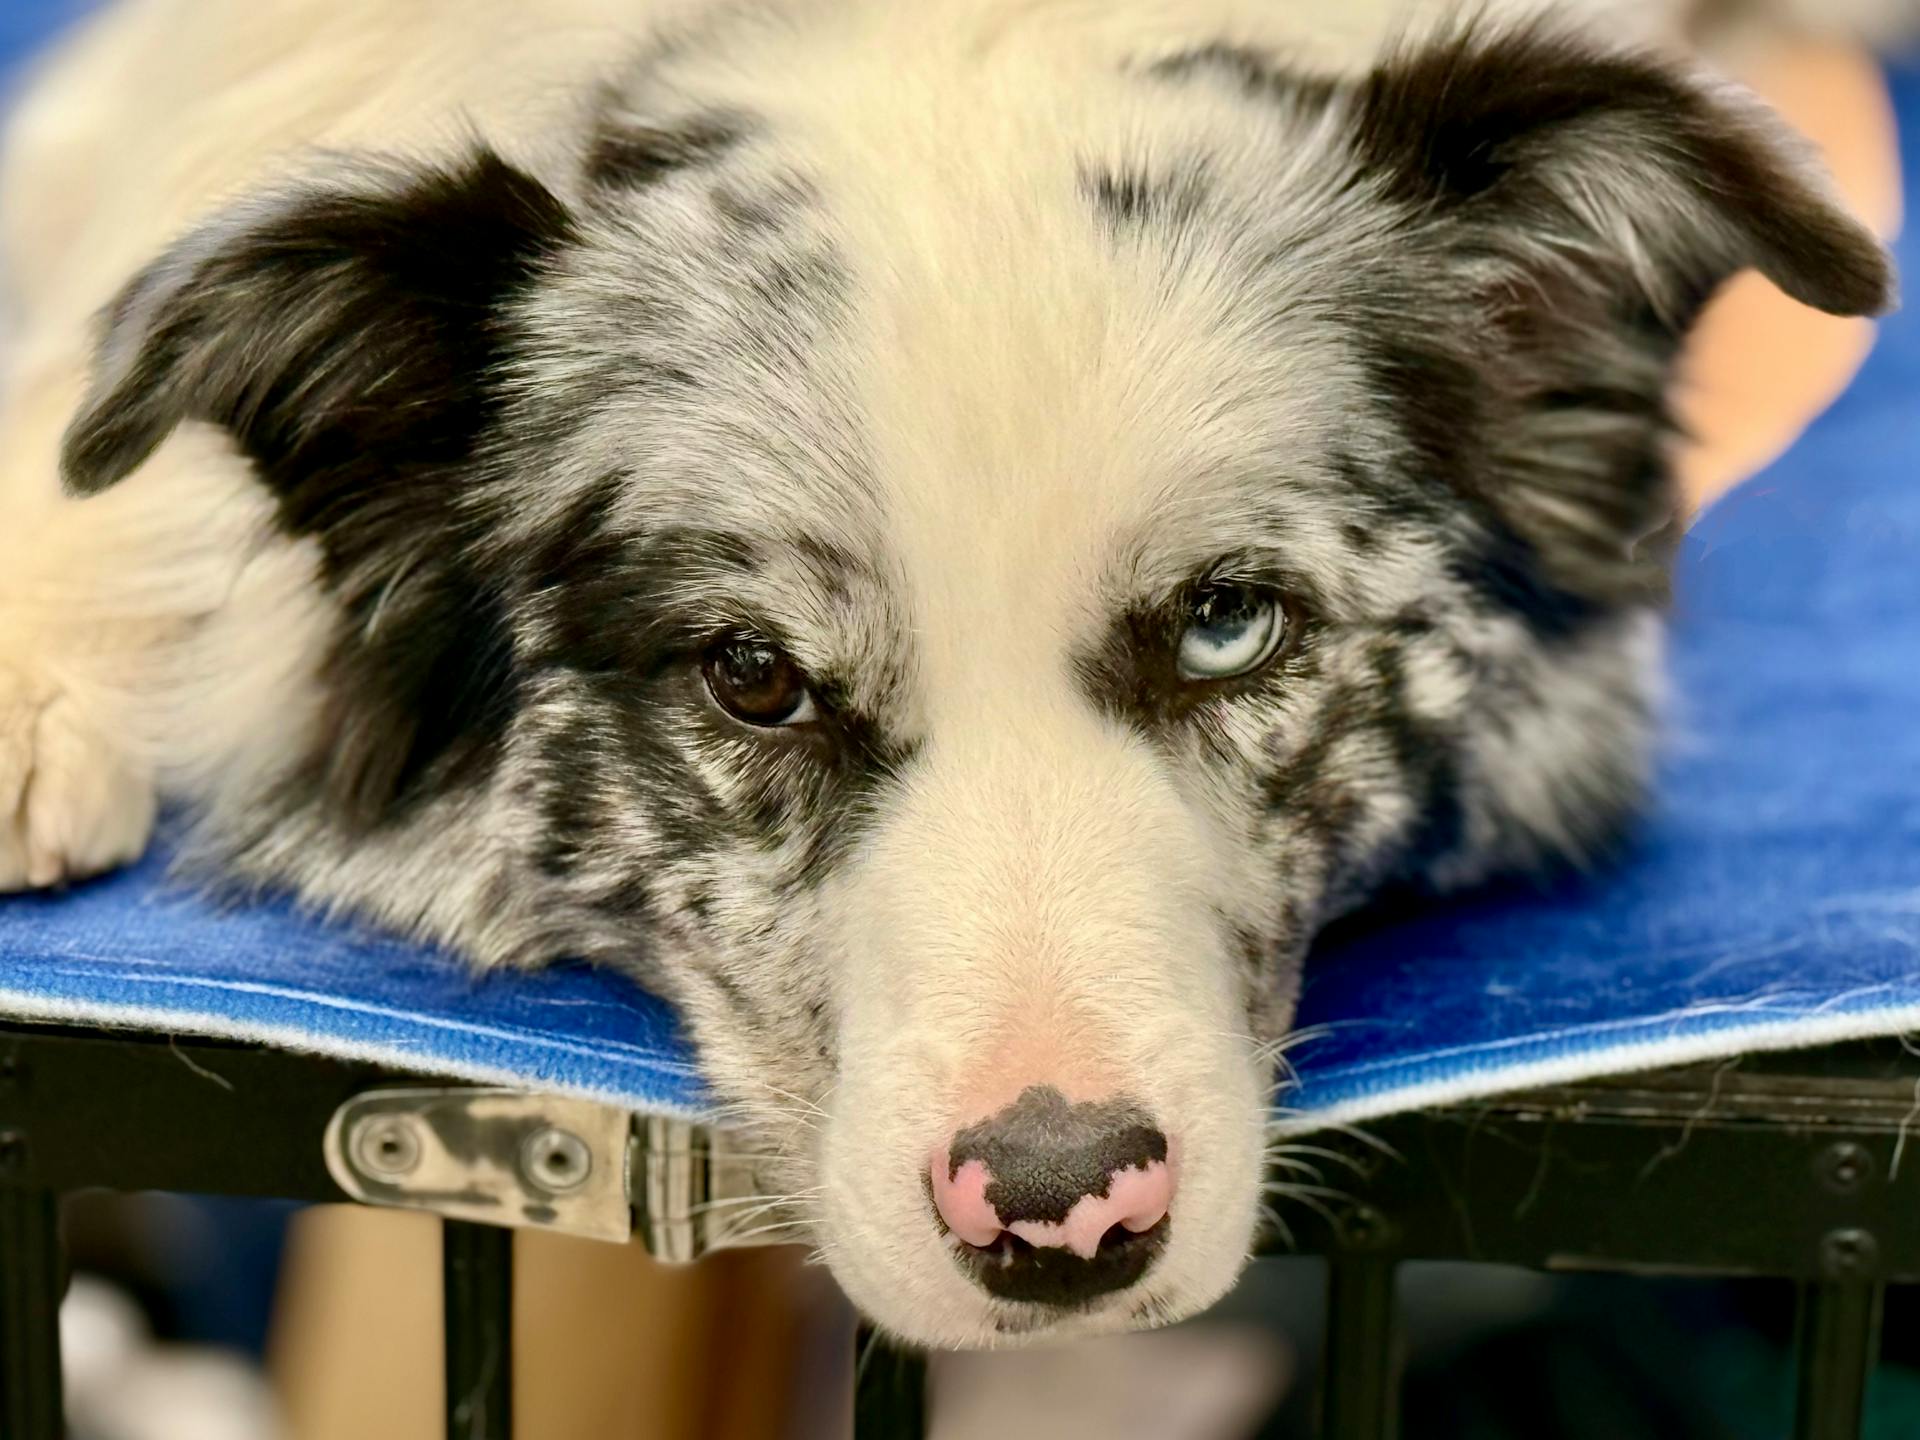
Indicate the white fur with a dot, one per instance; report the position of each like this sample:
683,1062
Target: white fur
1040,897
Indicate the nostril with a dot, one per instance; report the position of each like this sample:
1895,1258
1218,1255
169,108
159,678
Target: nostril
1133,1199
1012,1269
1053,1201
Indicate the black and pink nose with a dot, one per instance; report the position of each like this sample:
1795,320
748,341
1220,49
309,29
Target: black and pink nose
1056,1203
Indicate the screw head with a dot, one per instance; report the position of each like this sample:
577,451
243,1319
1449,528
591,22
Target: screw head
1849,1254
386,1147
1845,1167
555,1160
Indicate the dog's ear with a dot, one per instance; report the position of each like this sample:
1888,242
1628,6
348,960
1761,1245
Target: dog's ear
1556,159
1562,213
349,336
350,322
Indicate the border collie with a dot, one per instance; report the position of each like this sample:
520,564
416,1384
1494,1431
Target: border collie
946,538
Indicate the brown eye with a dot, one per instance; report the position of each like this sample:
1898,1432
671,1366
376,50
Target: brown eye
757,683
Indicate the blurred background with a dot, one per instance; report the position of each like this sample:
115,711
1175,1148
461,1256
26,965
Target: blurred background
199,1319
221,1320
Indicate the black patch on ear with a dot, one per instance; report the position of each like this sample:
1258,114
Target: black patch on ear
349,339
1530,118
1565,211
349,320
634,156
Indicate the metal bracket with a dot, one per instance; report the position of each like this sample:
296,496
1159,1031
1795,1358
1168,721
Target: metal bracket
695,1192
503,1157
497,1157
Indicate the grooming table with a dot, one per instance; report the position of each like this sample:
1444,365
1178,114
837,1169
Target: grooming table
1772,904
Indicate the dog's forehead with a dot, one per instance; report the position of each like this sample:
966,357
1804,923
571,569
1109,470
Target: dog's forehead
1013,358
1064,419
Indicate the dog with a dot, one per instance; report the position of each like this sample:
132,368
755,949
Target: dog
947,539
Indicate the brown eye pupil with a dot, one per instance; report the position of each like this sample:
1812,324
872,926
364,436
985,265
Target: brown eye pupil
756,682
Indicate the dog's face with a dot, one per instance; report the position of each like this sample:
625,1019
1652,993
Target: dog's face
956,585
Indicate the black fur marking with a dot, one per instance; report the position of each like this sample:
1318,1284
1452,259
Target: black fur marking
1253,950
1426,758
634,156
1514,116
748,214
833,568
1423,759
1129,199
1131,674
1044,1155
867,760
348,342
1459,428
1303,790
604,614
1256,73
608,602
1505,571
805,285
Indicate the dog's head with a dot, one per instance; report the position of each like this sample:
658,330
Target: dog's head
954,557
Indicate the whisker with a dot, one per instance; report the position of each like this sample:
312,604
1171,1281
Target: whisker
1280,1045
1300,1167
745,1239
1287,1148
731,1201
1280,1115
1290,1187
1279,1224
1304,1195
800,1100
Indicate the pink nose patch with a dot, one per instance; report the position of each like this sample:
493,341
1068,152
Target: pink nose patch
961,1198
1137,1197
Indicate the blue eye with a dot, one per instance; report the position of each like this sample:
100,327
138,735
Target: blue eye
1231,630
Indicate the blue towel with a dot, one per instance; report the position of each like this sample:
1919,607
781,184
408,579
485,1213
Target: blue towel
1774,901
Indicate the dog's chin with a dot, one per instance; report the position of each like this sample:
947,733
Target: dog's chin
911,1282
964,1318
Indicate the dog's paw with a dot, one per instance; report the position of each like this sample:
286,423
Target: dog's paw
72,804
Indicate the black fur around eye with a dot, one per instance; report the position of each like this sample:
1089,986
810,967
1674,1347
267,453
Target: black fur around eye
1230,630
758,683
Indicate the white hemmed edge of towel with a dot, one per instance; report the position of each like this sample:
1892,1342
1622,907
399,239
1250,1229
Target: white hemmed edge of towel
184,1024
1624,1058
1714,1043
